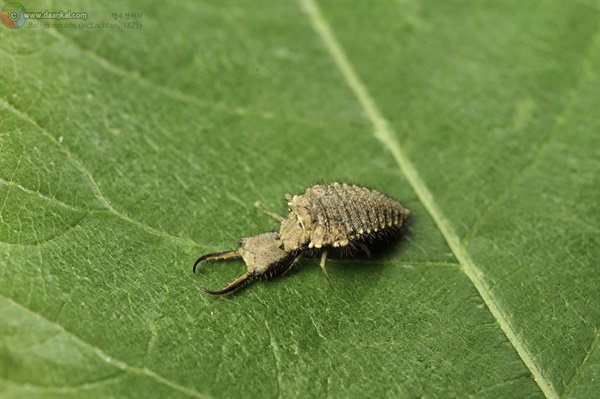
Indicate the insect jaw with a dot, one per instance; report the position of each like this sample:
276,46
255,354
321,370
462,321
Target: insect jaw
244,278
222,256
262,255
217,256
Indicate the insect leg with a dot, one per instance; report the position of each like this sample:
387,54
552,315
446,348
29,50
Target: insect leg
264,210
323,259
216,256
292,264
232,286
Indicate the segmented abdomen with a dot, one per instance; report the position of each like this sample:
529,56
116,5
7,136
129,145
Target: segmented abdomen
342,213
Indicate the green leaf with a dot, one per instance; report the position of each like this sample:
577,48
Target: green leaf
126,153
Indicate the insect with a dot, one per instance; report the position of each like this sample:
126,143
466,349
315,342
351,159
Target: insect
324,218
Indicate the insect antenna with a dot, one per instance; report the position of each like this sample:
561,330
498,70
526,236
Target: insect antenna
232,286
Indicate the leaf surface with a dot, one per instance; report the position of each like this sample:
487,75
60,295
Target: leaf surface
127,153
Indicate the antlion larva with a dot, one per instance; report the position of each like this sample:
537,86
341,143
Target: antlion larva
325,217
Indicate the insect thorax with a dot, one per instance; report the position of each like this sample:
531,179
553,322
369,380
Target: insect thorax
294,233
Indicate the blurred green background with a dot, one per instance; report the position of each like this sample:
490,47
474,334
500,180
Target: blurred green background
140,140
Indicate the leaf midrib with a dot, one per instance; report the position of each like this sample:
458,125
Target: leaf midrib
386,135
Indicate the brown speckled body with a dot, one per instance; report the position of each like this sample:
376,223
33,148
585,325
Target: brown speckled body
324,217
336,215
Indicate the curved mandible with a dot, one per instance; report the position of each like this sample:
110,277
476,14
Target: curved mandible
222,256
230,287
217,256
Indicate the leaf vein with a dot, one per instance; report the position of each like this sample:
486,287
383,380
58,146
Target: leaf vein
109,211
66,301
42,196
385,134
109,359
108,208
5,265
580,369
560,120
277,357
468,31
78,165
8,192
74,387
186,98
